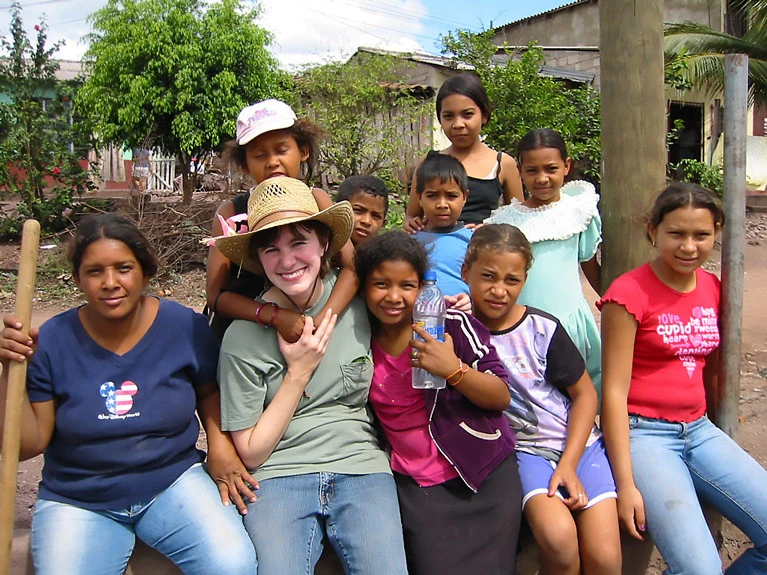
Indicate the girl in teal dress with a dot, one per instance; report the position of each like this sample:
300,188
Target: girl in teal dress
563,225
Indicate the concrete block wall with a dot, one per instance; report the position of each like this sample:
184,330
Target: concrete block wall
579,60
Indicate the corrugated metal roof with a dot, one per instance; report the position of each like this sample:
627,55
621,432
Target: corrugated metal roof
423,57
498,58
566,74
557,9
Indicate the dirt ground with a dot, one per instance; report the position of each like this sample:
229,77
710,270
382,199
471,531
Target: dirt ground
189,289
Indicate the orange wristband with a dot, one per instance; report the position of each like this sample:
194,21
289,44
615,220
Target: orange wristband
462,369
456,372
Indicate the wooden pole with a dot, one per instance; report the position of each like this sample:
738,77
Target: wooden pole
633,128
733,240
17,375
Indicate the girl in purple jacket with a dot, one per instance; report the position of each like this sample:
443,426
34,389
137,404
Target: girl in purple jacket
452,450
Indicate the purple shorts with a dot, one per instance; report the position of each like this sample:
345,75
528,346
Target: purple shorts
593,470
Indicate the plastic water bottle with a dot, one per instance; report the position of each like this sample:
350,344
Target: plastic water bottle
429,313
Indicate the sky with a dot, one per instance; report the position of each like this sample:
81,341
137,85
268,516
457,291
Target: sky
310,31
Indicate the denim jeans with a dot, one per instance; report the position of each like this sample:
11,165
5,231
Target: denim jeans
358,513
186,522
675,464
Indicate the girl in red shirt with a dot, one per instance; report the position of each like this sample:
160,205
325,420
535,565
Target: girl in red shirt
659,363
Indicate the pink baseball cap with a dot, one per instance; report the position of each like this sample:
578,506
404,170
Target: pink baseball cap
263,117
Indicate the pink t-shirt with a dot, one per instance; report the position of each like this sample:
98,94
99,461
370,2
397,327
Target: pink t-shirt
676,332
402,413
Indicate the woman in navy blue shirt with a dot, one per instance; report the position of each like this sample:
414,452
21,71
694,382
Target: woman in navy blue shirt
112,389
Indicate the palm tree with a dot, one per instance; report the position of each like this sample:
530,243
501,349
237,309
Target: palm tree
702,49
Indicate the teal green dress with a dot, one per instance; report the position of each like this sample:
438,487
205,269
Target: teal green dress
562,234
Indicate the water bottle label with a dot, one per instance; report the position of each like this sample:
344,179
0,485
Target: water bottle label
436,331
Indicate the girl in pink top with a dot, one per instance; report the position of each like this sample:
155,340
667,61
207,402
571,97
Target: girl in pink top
452,450
660,349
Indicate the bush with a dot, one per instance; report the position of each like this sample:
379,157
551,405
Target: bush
696,172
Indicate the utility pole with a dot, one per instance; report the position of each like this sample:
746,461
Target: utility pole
633,128
633,105
733,240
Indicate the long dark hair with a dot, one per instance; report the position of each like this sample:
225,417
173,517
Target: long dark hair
681,195
542,138
113,227
469,85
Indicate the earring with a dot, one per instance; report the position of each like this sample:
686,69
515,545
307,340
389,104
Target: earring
652,242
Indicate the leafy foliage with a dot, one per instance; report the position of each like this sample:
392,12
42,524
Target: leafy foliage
676,72
372,121
524,100
703,50
175,74
709,177
38,163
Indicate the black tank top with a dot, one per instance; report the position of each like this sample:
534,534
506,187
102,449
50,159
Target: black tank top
240,281
484,197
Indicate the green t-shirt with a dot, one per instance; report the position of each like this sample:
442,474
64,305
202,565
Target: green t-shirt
331,429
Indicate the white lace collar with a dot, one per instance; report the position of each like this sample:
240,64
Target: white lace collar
561,220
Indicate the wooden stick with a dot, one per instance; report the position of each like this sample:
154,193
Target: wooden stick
17,377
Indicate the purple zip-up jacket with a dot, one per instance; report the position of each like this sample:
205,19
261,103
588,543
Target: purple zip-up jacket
474,440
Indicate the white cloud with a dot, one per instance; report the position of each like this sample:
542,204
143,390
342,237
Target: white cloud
305,31
308,31
66,20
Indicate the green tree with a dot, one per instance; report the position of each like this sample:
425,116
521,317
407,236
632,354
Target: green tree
524,100
703,50
372,121
38,163
175,73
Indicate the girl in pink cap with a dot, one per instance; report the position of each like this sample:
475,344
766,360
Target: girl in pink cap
271,141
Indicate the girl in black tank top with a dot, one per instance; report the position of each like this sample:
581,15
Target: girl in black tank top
240,280
484,196
463,109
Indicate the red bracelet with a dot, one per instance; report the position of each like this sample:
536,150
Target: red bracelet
259,307
270,323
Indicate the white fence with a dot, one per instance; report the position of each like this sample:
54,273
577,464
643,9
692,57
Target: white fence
162,174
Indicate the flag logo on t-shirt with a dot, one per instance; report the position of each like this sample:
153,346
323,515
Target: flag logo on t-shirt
119,401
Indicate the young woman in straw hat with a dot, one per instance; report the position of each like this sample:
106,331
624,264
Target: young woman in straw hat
271,141
297,411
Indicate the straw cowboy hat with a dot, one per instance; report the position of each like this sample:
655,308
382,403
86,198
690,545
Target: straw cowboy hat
278,202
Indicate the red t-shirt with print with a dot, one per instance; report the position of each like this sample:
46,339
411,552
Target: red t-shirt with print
675,333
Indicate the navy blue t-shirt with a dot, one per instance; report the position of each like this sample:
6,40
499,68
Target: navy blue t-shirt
125,425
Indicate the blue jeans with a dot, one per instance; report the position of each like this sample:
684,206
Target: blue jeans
676,463
358,513
186,522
